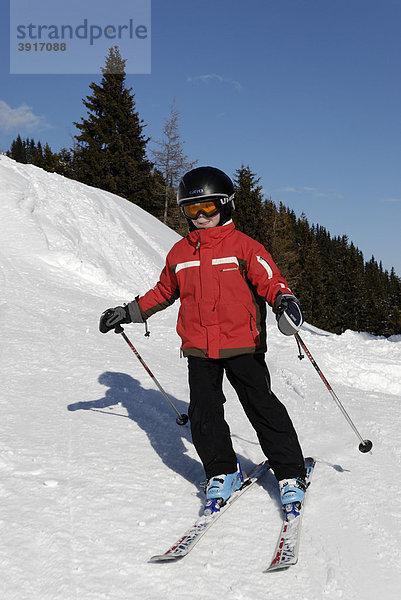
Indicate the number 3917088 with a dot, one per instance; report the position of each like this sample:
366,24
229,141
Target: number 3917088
42,47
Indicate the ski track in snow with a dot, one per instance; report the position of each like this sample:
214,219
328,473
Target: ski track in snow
83,424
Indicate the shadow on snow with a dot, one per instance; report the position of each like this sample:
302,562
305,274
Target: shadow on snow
150,410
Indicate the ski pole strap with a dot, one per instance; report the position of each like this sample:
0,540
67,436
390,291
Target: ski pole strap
300,355
147,332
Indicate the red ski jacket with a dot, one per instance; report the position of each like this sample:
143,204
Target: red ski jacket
223,279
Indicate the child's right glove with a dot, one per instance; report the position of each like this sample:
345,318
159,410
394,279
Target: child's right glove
288,313
131,313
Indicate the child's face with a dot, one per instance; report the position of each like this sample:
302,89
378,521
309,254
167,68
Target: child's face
203,222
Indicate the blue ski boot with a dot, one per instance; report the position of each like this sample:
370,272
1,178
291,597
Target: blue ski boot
219,488
292,492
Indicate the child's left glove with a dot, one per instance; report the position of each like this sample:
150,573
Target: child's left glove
288,313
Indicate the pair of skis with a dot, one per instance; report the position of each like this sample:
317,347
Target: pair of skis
287,547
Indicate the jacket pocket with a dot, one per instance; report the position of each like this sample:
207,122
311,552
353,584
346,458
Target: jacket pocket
237,326
188,326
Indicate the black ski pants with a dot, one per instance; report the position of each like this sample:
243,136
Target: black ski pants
249,376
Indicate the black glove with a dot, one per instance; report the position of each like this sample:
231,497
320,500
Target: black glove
288,313
131,313
113,317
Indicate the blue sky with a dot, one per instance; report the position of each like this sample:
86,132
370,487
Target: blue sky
307,92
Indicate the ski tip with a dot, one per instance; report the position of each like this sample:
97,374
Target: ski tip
164,558
279,567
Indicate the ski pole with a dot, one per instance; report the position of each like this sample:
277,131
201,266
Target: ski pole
182,419
365,445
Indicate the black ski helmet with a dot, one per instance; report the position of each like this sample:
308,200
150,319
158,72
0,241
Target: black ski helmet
207,182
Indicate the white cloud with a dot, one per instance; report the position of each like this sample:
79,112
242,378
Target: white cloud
20,119
209,77
312,191
288,189
392,199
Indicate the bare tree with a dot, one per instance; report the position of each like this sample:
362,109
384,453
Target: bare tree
169,157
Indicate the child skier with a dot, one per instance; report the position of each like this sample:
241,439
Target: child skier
224,279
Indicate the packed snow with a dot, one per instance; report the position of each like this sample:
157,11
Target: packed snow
95,474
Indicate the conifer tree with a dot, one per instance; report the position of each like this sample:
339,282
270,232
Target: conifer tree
376,297
284,246
249,214
308,277
30,148
353,291
37,156
50,161
110,150
394,304
270,220
64,164
18,150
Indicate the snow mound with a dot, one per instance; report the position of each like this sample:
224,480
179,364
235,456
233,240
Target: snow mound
364,361
91,235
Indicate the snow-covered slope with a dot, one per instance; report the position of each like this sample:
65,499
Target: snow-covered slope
95,476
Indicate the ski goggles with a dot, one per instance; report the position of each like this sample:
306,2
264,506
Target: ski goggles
209,208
